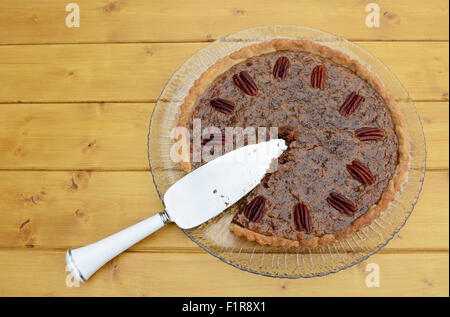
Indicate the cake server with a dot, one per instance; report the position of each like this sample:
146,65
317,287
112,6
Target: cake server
191,201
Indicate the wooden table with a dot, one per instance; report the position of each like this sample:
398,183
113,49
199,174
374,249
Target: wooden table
75,106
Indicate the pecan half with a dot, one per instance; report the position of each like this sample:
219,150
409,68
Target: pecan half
302,218
369,134
318,77
245,82
351,104
254,211
361,173
280,70
223,105
342,204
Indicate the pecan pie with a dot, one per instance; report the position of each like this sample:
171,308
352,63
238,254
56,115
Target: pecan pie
347,150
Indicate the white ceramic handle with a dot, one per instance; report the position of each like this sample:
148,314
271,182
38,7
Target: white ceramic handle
85,261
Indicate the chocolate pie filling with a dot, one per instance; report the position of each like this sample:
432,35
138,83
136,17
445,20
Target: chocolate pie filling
317,113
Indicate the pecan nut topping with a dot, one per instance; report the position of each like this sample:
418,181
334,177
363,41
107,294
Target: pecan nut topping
295,94
245,82
254,211
318,77
223,105
361,173
302,218
369,134
351,104
341,203
280,70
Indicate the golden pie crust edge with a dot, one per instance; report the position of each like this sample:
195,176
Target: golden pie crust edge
400,174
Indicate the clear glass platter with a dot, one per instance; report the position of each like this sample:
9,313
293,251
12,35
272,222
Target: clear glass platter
214,235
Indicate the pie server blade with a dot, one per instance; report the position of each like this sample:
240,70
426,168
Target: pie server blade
192,200
215,186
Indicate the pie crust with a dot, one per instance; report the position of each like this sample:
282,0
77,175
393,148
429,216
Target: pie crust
400,173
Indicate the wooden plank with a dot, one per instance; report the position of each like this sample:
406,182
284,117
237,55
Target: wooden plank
23,273
138,72
71,209
75,136
113,136
202,20
435,124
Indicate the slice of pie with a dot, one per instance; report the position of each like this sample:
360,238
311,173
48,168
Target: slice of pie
347,150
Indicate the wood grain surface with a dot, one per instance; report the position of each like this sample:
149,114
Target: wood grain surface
101,72
177,274
27,21
75,105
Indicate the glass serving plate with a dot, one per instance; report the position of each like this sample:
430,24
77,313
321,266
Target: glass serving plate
214,236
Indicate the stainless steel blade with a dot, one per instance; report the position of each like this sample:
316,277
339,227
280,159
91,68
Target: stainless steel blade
215,186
